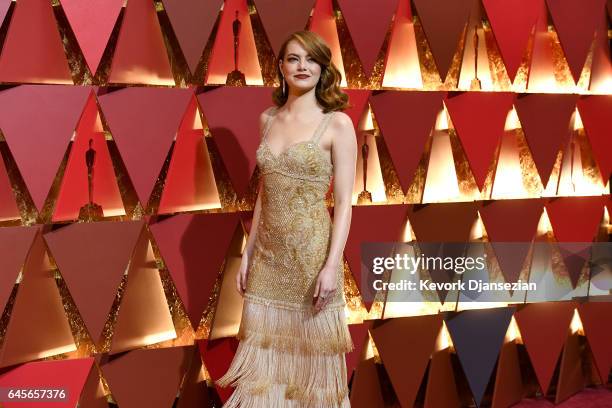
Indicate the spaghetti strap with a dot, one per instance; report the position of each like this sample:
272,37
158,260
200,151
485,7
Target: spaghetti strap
268,123
316,135
321,128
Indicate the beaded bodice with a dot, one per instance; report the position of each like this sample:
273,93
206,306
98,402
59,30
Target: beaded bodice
303,160
294,231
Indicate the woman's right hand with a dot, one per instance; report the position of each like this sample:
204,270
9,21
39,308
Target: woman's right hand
241,276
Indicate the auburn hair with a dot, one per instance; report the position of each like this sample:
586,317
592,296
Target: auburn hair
328,92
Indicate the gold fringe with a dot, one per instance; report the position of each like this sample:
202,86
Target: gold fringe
289,357
268,324
276,398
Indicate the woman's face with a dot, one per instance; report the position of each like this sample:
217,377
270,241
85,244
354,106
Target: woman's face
301,71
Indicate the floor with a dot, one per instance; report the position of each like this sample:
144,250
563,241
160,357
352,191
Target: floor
587,398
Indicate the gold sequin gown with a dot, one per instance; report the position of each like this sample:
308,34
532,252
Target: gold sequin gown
289,357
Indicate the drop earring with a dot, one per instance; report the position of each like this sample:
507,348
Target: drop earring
284,90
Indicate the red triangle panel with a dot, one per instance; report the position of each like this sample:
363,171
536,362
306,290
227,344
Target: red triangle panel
479,118
144,122
193,248
406,120
38,122
92,258
377,17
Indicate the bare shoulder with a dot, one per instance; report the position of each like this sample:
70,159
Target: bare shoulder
341,120
343,129
263,117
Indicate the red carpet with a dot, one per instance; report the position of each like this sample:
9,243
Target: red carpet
589,397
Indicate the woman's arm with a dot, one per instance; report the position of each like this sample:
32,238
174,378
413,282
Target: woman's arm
247,254
250,244
344,154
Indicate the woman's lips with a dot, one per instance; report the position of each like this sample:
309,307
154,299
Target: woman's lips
302,76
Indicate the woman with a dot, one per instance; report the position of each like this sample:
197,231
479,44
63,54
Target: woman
293,333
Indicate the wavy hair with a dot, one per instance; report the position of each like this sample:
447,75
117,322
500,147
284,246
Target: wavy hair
328,92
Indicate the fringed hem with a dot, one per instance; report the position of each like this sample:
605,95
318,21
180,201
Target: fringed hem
295,331
289,358
339,303
276,397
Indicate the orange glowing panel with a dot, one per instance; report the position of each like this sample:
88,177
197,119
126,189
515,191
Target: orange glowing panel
92,23
190,182
481,70
15,244
441,183
323,22
541,71
4,7
74,192
403,69
508,178
140,55
38,326
228,310
143,317
375,183
418,302
576,174
221,60
358,99
33,50
8,204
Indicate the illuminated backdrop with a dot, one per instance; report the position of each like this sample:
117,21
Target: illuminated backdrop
487,120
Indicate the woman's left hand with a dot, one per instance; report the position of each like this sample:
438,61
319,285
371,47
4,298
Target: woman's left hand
325,287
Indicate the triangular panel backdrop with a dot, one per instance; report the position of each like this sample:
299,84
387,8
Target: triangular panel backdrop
131,164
